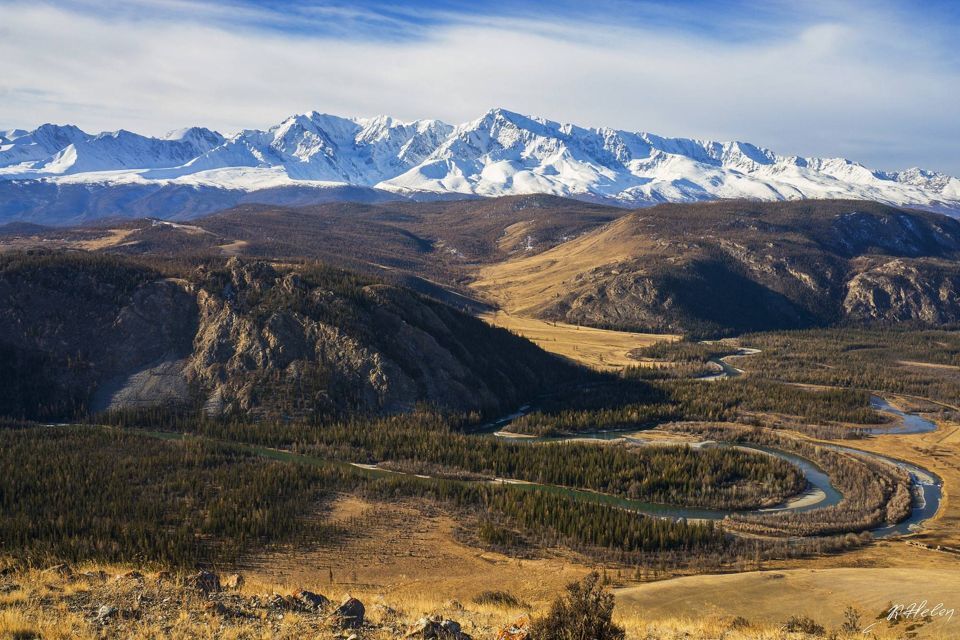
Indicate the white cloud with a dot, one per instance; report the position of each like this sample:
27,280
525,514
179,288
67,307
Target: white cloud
856,85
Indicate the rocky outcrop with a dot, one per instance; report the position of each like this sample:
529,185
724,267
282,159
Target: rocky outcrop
349,615
518,630
205,582
312,601
266,332
900,290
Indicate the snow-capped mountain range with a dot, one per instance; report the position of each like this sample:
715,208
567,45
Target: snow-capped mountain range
500,153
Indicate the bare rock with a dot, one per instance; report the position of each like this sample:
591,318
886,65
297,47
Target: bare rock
901,290
436,628
311,601
349,615
205,581
284,603
62,570
105,613
519,630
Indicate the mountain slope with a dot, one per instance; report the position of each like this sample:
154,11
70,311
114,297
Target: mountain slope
704,268
417,244
84,332
500,153
739,266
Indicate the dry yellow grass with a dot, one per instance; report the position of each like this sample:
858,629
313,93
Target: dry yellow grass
515,236
115,237
597,348
234,248
733,628
525,285
823,594
59,607
410,551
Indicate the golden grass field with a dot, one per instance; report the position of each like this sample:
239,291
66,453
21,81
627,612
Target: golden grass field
523,286
822,594
597,348
412,549
45,604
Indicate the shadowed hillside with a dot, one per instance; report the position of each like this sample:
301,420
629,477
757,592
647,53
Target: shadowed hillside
84,332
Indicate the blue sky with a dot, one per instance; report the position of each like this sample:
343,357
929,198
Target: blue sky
877,81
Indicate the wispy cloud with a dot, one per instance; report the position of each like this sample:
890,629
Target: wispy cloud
877,84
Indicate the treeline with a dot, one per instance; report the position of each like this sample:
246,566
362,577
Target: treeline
76,492
551,519
684,351
736,399
680,360
569,421
425,440
24,271
877,359
94,493
729,400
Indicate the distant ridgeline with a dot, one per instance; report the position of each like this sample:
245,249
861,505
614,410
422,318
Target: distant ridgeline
60,174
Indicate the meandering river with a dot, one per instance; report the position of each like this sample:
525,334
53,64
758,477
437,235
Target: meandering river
927,487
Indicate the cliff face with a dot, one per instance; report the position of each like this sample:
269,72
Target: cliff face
896,290
74,328
300,341
244,338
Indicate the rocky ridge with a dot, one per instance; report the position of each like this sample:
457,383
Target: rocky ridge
245,338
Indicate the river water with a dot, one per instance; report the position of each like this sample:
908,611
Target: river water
926,486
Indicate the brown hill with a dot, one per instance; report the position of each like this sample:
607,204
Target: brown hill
737,266
706,269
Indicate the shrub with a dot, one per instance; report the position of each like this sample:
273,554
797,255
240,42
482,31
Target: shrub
851,620
803,624
584,612
498,599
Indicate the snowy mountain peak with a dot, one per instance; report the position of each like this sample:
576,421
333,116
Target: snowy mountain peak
195,135
502,152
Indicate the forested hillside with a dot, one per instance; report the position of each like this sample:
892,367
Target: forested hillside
83,332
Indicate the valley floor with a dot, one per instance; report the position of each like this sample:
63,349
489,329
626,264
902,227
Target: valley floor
599,349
